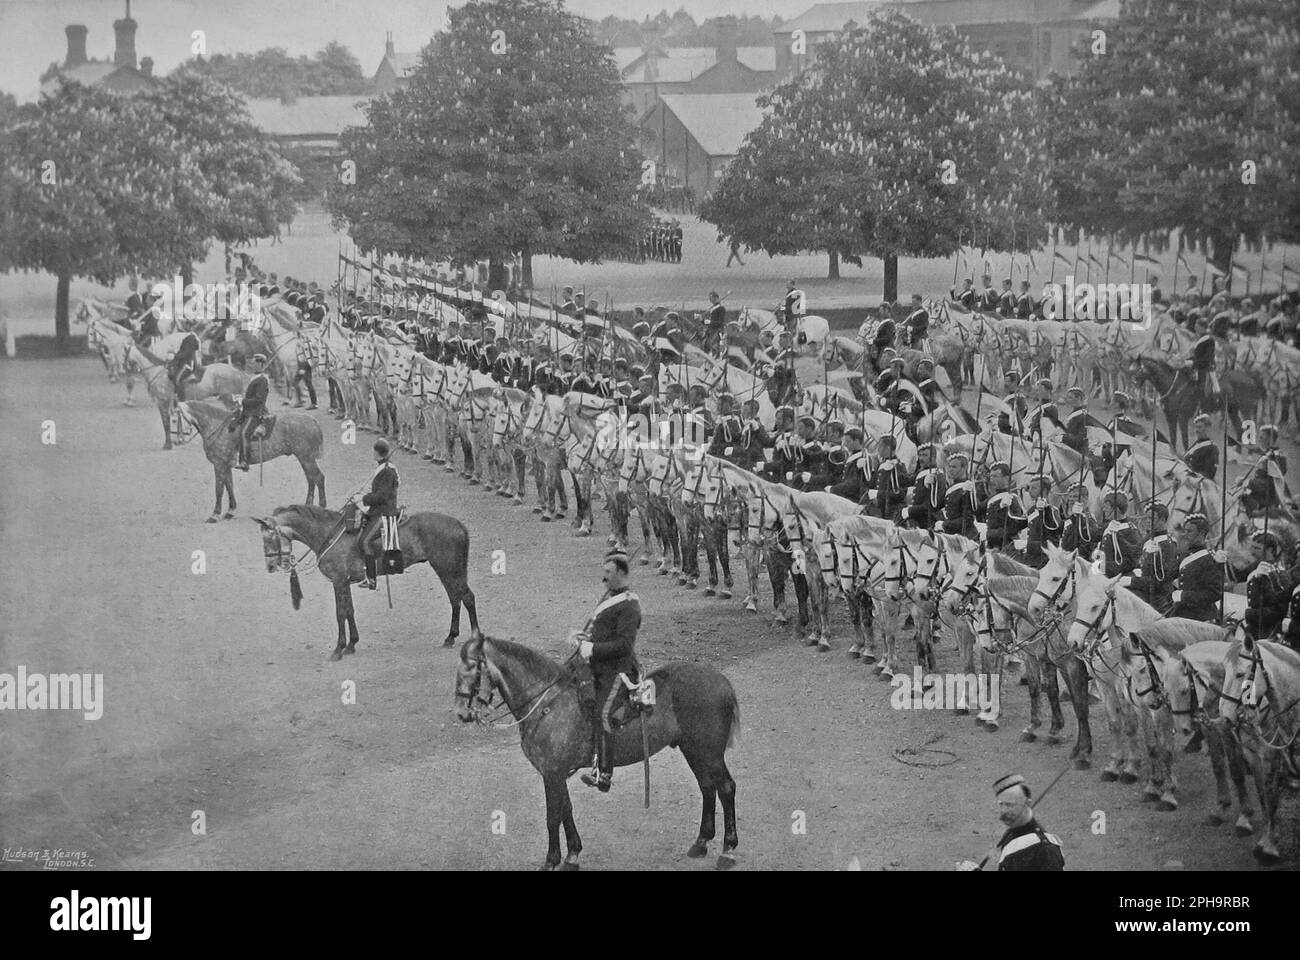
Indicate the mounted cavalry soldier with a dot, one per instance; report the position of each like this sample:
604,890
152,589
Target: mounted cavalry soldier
1268,586
1024,845
883,339
961,506
1203,456
967,296
1006,515
252,408
792,305
1201,359
891,480
1159,569
1044,521
1200,574
929,490
917,324
184,365
608,643
1267,476
380,502
1045,409
728,431
1080,532
1076,422
988,297
1024,302
1007,300
1119,541
852,484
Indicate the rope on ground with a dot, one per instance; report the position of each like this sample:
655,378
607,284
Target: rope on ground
925,755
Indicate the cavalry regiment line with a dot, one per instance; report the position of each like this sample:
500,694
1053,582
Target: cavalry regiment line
886,493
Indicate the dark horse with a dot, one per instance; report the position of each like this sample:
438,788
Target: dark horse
432,538
1182,399
696,711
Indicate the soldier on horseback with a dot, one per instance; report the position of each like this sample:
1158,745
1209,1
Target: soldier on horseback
1200,574
1203,456
1201,359
252,408
380,502
1159,568
184,364
608,643
1261,488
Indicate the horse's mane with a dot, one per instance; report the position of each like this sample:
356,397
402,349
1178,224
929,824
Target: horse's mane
215,406
532,659
311,512
1175,633
1014,591
1005,566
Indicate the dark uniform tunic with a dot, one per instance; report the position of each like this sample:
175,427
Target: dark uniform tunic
1044,411
1121,548
1203,458
988,300
1200,579
613,645
1076,431
382,501
961,509
918,325
1029,848
1080,533
1006,518
1159,570
928,495
891,487
854,482
1267,594
1044,527
726,439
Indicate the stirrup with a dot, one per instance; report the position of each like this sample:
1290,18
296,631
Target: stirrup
597,778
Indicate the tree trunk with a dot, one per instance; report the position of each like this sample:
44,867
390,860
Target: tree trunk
227,253
62,332
833,271
498,277
526,256
187,276
891,277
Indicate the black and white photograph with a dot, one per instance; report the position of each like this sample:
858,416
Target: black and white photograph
760,435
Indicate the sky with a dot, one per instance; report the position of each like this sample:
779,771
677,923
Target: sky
32,35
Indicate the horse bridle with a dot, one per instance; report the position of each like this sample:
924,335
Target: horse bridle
474,694
1054,599
1263,706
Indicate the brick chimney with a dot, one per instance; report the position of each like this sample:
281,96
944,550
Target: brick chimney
124,55
76,45
146,66
389,51
728,34
652,50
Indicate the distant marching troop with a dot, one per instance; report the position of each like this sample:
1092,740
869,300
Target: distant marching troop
849,466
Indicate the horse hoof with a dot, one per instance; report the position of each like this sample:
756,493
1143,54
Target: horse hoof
868,658
1242,832
582,532
1028,736
1266,856
710,592
698,849
449,642
227,516
518,501
336,655
1215,820
823,646
349,650
1127,777
724,594
568,867
1148,798
1082,764
725,862
644,561
962,712
1165,806
548,867
211,519
1109,776
546,518
991,726
854,654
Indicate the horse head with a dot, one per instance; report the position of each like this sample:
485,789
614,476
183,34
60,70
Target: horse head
1056,587
1095,612
475,680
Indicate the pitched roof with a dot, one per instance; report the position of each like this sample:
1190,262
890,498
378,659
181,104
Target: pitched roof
719,122
403,63
683,64
307,115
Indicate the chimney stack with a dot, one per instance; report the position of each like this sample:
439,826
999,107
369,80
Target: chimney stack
124,55
146,66
76,45
728,35
388,46
651,50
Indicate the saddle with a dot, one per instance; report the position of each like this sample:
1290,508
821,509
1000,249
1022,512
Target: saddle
631,700
260,427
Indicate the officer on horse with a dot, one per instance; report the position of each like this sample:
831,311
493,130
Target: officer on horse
380,502
608,643
252,408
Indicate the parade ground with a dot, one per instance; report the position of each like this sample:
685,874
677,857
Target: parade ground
220,709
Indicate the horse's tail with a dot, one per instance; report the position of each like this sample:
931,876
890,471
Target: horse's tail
733,733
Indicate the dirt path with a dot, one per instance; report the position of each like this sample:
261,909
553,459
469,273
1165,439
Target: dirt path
219,697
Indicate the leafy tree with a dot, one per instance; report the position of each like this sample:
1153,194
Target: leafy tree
897,141
252,187
1150,136
92,185
488,154
333,71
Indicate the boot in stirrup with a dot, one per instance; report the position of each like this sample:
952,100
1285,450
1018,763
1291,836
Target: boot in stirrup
599,776
371,582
